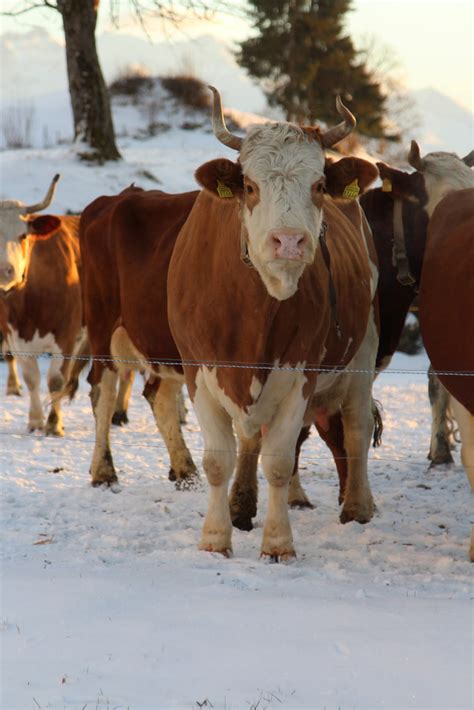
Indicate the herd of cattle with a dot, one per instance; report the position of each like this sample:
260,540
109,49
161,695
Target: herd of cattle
277,292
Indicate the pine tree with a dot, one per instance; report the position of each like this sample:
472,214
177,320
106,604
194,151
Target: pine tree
304,59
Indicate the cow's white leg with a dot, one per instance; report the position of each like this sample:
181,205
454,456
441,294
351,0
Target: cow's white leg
440,445
278,459
164,403
465,422
56,382
32,377
218,462
13,382
103,400
120,415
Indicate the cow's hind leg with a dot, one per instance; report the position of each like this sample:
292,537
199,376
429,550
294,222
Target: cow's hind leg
297,498
465,422
440,444
57,376
163,399
32,377
332,433
103,393
13,382
244,492
120,415
218,462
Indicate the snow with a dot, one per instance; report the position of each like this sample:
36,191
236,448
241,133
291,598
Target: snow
106,601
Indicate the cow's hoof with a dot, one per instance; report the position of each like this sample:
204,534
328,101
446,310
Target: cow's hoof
225,551
35,426
13,392
301,504
241,522
53,430
287,556
361,513
120,418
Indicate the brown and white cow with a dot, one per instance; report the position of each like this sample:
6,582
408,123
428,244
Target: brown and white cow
275,324
447,311
126,244
40,294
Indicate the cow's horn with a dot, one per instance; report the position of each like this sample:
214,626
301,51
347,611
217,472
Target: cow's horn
218,124
469,159
47,200
414,156
337,133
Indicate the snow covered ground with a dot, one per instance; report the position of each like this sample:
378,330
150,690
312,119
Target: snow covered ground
106,601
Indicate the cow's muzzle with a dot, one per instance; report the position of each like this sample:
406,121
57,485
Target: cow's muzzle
289,244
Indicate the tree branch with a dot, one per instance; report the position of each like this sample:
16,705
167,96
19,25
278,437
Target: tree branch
33,6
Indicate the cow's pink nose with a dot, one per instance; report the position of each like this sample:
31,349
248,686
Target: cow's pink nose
288,245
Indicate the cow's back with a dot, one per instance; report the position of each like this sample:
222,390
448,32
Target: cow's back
126,245
447,293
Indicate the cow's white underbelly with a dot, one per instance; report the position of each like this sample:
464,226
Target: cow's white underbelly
267,399
36,346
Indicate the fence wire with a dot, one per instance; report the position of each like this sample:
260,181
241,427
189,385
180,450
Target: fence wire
211,364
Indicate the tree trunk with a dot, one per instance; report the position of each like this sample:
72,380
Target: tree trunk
89,96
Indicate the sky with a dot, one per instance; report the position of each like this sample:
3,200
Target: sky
431,40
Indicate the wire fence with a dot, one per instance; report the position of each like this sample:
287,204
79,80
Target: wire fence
144,363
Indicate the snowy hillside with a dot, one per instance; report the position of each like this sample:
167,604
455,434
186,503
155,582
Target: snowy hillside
36,74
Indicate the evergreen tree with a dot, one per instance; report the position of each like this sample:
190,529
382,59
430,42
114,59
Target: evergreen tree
304,59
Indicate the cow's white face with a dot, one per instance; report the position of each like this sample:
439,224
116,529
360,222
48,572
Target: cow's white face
13,244
283,171
444,172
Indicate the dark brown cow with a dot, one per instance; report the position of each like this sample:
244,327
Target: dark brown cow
42,303
126,245
299,306
447,311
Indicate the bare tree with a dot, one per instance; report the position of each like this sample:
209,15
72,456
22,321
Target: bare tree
93,126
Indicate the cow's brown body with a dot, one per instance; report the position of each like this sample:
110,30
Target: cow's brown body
228,316
44,314
447,294
126,245
447,311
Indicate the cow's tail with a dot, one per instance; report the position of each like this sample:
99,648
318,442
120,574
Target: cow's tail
79,359
378,423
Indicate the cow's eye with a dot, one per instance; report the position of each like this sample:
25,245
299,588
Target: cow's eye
249,189
320,187
22,237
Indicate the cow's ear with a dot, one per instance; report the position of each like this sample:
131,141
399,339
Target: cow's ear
221,177
341,176
401,185
42,226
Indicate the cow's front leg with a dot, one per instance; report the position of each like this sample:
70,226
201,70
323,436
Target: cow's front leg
163,399
56,381
13,383
218,462
244,492
278,459
32,377
103,400
358,422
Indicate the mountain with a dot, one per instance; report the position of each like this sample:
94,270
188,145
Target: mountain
445,124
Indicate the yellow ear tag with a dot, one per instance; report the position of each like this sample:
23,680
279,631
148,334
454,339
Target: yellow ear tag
351,191
386,185
223,190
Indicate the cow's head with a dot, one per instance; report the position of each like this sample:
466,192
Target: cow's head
280,182
436,175
15,241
